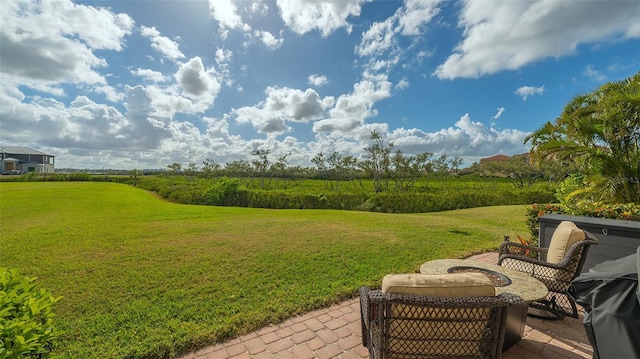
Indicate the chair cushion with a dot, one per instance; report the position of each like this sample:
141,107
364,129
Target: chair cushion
439,285
565,235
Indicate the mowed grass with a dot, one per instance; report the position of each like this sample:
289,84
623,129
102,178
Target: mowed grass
144,278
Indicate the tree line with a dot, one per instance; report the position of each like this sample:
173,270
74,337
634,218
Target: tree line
593,147
388,169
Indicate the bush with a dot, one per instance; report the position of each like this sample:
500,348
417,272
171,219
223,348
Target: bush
229,192
453,199
626,211
26,317
226,192
569,187
537,210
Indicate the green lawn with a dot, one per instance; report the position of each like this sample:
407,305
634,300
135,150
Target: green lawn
144,278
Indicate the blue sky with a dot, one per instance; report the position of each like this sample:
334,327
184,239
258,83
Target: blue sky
144,84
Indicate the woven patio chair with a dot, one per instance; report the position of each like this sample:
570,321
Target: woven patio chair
555,266
443,324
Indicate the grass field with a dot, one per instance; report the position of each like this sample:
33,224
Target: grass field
144,278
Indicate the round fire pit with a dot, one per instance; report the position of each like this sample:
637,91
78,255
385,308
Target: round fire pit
498,279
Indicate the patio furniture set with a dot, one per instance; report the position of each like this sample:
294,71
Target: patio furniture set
458,308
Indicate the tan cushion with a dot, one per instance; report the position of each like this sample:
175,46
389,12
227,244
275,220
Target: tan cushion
439,285
565,235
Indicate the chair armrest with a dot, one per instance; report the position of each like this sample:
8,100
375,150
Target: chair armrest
436,302
535,261
519,248
569,256
364,314
511,298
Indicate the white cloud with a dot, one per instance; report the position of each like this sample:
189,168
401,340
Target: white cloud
223,56
85,124
416,14
499,113
403,84
282,105
150,75
377,39
507,35
384,43
303,16
526,91
196,81
317,80
163,44
259,7
465,139
592,73
268,39
110,93
408,20
49,43
352,109
226,14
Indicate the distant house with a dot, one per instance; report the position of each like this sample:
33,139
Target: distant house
20,159
495,158
504,157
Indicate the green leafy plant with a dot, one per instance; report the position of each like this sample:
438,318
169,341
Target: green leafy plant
624,211
537,210
26,317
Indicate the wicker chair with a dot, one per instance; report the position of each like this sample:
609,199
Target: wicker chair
556,275
401,326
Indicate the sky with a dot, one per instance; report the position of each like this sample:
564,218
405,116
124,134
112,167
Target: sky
144,84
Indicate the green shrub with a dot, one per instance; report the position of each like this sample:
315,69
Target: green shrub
569,187
230,192
226,192
26,317
626,211
453,199
537,210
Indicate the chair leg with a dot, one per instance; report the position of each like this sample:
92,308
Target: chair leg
546,306
551,309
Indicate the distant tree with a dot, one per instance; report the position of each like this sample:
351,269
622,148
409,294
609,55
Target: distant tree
518,169
555,171
261,165
279,168
334,169
406,170
210,167
377,161
175,168
133,175
192,169
440,167
321,166
351,171
454,164
240,168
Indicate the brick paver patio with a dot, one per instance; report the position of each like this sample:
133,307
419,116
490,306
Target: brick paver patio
334,332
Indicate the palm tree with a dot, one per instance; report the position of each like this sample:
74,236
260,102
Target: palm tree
600,133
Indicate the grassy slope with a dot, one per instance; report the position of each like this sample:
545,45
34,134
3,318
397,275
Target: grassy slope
146,278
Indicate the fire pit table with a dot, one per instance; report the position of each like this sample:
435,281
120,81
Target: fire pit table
505,281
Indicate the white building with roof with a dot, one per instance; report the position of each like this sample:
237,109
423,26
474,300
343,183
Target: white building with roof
20,159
